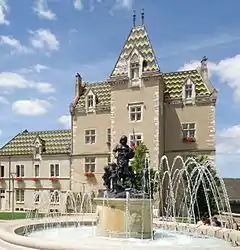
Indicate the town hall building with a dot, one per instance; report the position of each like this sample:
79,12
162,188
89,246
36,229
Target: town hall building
172,113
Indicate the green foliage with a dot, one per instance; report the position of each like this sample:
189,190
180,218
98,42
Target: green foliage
138,164
201,206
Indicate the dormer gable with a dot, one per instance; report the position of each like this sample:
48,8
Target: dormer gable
38,147
90,100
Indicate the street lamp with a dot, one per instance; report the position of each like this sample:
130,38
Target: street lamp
12,176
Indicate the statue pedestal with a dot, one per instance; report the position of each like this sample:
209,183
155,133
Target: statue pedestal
124,218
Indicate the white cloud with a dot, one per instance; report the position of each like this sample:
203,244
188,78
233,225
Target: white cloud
44,39
14,80
44,87
4,9
38,68
42,10
227,70
65,120
122,4
31,107
3,100
78,4
14,43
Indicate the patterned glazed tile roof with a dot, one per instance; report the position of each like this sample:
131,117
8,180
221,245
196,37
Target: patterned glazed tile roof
102,90
175,80
233,187
173,87
55,142
138,39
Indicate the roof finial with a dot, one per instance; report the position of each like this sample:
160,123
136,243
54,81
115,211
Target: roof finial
134,18
142,15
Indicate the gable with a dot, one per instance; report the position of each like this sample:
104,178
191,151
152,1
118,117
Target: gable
137,39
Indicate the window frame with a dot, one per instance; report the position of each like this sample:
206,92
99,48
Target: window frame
130,112
20,196
188,88
54,199
35,165
134,67
135,134
2,171
54,170
87,165
188,129
109,135
90,136
36,195
21,171
90,98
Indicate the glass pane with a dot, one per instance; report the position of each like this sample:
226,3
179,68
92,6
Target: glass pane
51,170
185,133
22,170
87,132
87,139
138,109
93,132
191,125
56,170
93,160
2,171
36,170
132,116
18,171
92,139
138,116
184,125
191,133
92,167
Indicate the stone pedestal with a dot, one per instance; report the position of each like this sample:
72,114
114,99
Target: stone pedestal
122,218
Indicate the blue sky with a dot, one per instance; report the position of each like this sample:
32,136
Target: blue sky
43,43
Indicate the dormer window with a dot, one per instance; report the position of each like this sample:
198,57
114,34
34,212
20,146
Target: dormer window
135,67
188,94
90,101
135,63
188,91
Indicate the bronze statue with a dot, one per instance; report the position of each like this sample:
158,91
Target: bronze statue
119,177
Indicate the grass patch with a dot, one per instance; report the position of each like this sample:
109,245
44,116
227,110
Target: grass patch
14,216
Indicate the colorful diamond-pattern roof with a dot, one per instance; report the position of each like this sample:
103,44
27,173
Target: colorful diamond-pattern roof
175,80
173,87
55,142
102,90
138,39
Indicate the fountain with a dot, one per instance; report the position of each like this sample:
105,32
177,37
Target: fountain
121,216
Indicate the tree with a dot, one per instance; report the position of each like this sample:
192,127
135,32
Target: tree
138,164
205,201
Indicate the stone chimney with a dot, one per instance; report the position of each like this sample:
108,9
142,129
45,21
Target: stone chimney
204,68
78,85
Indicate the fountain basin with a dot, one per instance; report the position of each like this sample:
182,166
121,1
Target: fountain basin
129,218
86,238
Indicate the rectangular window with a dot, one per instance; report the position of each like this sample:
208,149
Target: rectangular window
135,113
90,136
136,138
36,170
109,135
54,197
19,195
90,101
135,70
36,196
54,170
2,171
189,130
90,164
20,170
188,91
